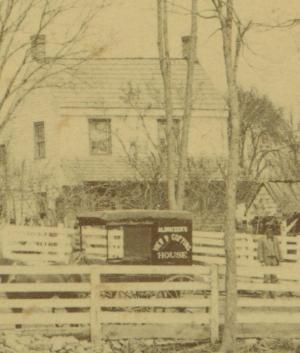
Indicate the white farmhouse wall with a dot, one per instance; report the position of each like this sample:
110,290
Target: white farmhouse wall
38,107
67,135
208,137
74,135
27,175
68,140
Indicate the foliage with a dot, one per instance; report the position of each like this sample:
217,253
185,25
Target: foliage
112,195
204,195
204,189
263,133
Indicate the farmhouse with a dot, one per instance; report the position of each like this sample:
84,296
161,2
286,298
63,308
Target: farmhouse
277,202
97,122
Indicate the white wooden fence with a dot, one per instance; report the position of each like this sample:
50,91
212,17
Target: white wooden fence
95,243
150,309
36,244
266,315
208,247
100,302
53,245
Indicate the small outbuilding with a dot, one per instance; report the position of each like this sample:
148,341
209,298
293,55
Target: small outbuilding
276,203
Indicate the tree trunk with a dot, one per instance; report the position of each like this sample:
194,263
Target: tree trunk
229,336
165,66
188,106
242,150
228,343
6,188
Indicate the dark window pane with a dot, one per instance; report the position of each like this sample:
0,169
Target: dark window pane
39,140
100,136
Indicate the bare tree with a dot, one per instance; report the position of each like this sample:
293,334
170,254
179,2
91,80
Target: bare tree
232,32
17,17
165,66
188,106
176,171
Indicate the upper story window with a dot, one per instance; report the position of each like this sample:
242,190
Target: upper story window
100,136
162,134
39,140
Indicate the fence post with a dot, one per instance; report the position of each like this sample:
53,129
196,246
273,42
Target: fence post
214,304
95,325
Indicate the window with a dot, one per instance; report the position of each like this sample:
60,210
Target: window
3,155
162,134
100,136
39,140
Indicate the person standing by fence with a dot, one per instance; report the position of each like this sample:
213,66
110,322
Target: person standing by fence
269,254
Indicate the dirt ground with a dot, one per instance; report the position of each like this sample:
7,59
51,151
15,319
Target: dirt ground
252,346
11,342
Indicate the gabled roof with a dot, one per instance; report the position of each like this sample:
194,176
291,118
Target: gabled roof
286,194
131,83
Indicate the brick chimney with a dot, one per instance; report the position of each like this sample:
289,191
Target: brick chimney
186,42
38,47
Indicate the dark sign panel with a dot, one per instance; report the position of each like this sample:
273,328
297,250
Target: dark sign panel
172,243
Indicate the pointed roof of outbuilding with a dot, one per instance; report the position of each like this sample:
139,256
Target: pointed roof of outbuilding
286,194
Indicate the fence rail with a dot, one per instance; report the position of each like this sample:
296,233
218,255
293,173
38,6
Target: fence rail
96,301
36,245
208,248
136,300
91,296
39,245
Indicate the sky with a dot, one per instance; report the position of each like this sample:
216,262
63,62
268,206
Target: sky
271,63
